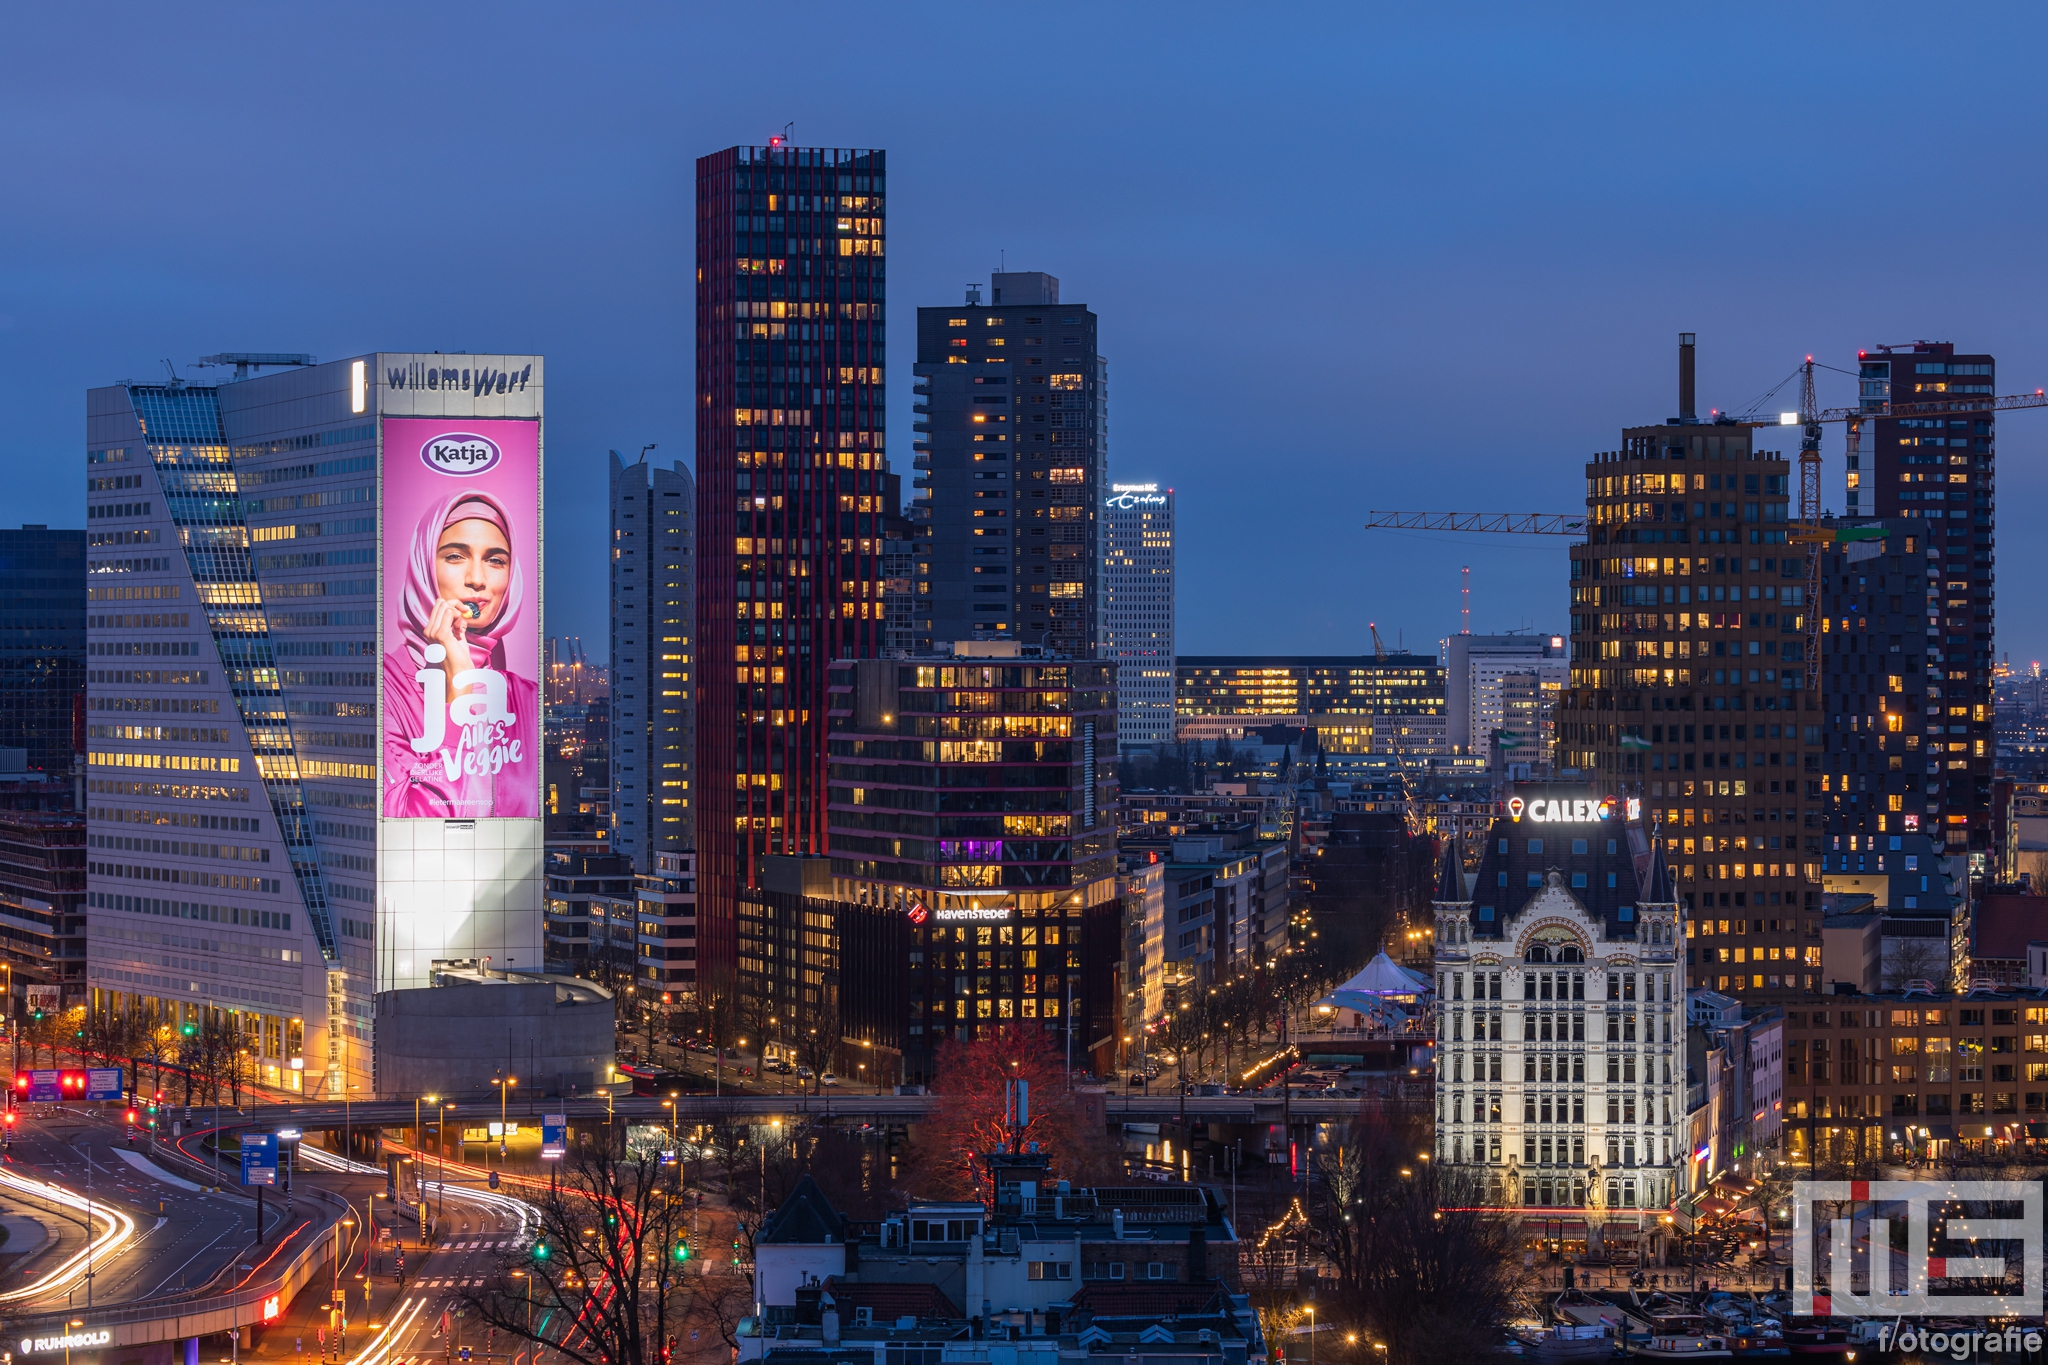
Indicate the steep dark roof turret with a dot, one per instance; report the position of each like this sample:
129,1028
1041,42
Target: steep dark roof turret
806,1216
1450,875
1659,887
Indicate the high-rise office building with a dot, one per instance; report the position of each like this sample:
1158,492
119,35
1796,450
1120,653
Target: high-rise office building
42,645
792,482
654,613
1688,691
1490,680
1013,441
261,853
1017,858
42,887
1137,595
1938,469
1309,685
1887,744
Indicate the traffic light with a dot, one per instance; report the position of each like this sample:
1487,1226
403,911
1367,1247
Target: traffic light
682,1252
540,1251
186,1029
131,1118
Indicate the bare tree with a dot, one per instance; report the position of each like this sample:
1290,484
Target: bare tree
1419,1272
1914,959
612,1276
718,1008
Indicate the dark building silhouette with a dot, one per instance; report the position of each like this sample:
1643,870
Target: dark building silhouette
42,647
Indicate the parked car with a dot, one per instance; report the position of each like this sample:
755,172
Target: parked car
675,1040
804,1073
828,1079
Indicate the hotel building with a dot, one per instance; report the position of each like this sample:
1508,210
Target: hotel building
1561,1085
973,793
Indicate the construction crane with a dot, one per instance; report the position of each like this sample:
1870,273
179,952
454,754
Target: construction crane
1379,650
1504,523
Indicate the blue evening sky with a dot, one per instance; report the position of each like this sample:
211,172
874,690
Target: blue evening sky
1346,257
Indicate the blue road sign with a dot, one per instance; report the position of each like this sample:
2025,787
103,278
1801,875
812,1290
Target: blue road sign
103,1083
259,1159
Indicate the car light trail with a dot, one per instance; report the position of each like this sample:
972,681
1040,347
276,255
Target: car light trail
391,1334
119,1229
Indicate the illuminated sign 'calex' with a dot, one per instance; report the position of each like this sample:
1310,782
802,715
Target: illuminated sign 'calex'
1545,811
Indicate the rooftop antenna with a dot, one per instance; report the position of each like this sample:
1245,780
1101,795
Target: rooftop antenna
643,451
974,293
1465,600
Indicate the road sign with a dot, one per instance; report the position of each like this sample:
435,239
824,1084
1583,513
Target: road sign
45,1087
259,1158
554,1136
103,1083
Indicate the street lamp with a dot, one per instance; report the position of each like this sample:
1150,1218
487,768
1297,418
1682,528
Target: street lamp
504,1084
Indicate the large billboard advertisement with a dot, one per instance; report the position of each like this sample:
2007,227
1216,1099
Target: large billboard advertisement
461,616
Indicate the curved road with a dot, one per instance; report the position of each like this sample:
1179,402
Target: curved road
160,1231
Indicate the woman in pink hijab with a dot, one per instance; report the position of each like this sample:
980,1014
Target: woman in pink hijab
461,732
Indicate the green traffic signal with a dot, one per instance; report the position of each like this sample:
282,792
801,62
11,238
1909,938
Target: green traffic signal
540,1251
683,1250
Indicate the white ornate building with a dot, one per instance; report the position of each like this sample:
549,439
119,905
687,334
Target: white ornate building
1561,1082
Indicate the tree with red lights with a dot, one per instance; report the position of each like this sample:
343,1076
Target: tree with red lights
968,1117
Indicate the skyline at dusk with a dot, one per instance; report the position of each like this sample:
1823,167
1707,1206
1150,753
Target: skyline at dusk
1332,266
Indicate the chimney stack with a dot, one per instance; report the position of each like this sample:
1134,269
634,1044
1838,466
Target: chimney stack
1686,410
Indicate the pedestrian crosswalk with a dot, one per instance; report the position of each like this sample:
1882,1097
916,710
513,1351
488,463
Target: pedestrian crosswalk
480,1246
447,1283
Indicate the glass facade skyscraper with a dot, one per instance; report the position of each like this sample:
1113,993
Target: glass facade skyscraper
792,491
42,646
246,865
1137,594
654,611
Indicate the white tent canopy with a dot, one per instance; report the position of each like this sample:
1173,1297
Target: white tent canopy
1379,979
